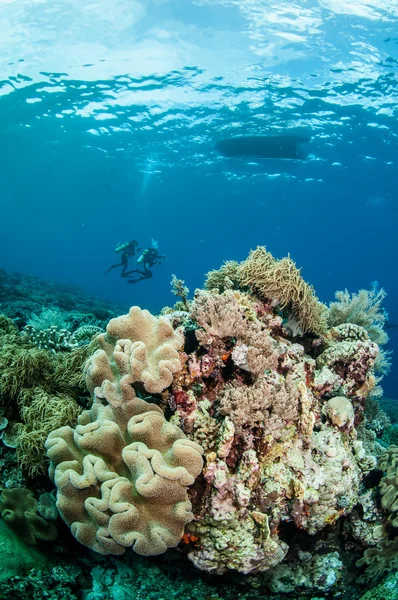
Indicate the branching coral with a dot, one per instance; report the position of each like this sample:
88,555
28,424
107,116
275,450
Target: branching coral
122,474
56,340
52,338
232,315
281,281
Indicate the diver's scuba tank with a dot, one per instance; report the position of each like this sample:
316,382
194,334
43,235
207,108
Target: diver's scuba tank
122,247
140,260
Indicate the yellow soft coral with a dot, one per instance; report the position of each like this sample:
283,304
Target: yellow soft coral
122,473
142,345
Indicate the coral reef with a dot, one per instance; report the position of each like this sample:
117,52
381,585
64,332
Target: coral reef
253,377
277,426
22,296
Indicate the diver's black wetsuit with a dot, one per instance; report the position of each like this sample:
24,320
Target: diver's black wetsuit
150,257
128,252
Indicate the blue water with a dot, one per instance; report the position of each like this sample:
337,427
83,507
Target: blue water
109,115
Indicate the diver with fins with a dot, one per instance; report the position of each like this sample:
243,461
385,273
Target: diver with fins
128,250
149,258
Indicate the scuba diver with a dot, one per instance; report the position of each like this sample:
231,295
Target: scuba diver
148,259
128,250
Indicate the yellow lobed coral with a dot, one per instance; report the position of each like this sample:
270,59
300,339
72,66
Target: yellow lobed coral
122,473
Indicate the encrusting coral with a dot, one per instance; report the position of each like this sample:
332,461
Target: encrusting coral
122,474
